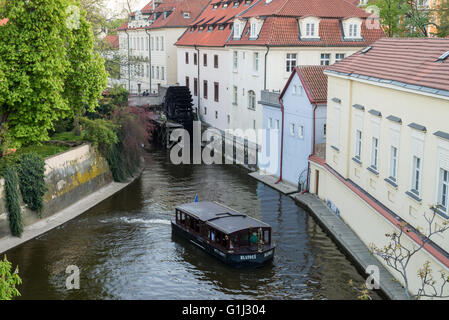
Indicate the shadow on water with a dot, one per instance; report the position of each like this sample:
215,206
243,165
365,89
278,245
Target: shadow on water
125,250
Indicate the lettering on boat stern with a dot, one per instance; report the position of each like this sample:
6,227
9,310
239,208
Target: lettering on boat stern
268,253
248,257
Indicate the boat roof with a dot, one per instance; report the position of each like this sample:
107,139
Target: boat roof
221,217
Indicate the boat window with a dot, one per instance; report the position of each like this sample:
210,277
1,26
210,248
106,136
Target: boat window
182,218
243,238
266,236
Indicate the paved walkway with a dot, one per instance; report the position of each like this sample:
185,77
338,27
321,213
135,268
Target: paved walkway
57,219
270,180
350,243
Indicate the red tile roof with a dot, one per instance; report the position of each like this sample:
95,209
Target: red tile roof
407,60
313,80
112,40
301,8
213,17
284,31
280,27
3,22
175,18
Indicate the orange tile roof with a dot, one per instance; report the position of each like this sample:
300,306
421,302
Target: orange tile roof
284,31
280,27
112,40
410,62
301,8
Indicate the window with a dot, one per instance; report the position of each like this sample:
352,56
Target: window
300,132
234,94
205,110
205,89
138,44
216,61
324,130
270,123
277,124
216,114
157,73
216,88
292,129
236,30
339,56
152,43
229,119
253,30
152,72
195,87
141,43
374,152
235,59
290,62
146,45
393,163
353,30
416,175
358,144
162,73
187,58
187,82
325,59
195,59
186,15
157,43
310,29
294,89
251,100
256,61
443,190
205,60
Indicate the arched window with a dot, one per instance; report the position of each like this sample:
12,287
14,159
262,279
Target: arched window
251,100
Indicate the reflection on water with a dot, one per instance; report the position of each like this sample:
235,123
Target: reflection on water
125,250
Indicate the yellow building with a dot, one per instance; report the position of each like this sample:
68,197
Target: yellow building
387,149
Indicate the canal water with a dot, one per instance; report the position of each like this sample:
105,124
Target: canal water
125,250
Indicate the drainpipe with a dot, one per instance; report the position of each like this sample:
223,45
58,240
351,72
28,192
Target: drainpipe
313,150
265,72
282,140
149,57
129,70
198,77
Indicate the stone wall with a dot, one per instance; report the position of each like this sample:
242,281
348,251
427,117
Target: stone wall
69,176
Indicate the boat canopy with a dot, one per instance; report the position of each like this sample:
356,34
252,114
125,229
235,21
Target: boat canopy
221,217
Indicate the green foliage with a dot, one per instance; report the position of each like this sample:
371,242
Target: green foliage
49,70
13,201
390,14
8,280
31,172
115,99
67,136
101,133
443,16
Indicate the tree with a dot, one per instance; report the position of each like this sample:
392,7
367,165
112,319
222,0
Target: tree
416,20
8,280
33,60
86,77
398,256
390,14
442,12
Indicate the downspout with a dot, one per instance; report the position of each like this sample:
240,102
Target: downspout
129,70
313,149
149,57
282,140
198,77
265,71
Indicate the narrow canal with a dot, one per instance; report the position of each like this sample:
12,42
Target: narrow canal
125,250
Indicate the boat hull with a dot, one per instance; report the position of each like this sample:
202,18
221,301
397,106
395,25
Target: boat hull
231,258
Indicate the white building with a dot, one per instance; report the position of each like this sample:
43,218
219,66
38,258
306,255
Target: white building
146,43
258,43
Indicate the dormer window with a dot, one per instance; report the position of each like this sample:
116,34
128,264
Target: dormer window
221,27
236,4
215,6
186,15
248,1
310,27
255,26
225,5
352,28
238,29
210,28
267,1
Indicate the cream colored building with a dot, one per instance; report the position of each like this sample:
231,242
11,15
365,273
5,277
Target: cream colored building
387,149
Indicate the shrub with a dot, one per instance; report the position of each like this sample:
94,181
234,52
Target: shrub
13,201
31,172
8,280
101,133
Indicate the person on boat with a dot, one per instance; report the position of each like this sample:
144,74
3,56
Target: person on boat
254,239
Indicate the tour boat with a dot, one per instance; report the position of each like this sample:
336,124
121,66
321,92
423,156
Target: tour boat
231,236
